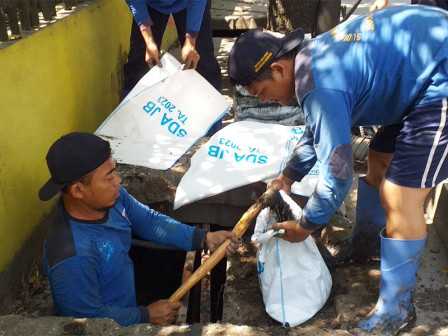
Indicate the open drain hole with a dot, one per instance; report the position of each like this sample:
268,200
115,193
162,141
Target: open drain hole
158,274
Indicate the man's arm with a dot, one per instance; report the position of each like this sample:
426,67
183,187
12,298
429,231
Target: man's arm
378,4
195,12
330,121
152,50
156,227
302,159
139,11
153,226
328,118
142,18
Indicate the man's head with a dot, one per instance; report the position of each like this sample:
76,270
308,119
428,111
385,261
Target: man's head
73,158
262,62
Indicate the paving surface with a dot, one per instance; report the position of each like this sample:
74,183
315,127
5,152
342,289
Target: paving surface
245,14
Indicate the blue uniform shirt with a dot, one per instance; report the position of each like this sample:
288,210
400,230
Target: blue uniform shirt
368,71
195,10
88,265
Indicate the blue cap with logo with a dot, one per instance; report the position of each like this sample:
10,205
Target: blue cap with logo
255,50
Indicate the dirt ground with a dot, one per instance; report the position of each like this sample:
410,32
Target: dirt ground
353,294
355,286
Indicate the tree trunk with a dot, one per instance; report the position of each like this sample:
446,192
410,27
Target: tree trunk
313,16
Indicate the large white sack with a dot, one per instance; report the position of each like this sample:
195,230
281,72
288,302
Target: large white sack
294,279
163,116
241,153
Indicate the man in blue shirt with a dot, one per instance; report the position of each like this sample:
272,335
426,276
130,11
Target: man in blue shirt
86,252
386,67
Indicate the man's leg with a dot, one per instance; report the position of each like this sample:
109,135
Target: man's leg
404,210
418,164
160,21
135,67
377,164
402,244
364,240
208,66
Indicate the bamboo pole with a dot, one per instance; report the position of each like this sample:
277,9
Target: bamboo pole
270,197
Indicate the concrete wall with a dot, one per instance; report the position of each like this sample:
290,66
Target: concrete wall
65,77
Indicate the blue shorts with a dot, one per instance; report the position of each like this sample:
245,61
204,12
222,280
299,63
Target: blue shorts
421,147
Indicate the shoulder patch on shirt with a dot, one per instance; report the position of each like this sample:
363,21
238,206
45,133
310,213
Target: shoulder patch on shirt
341,162
59,243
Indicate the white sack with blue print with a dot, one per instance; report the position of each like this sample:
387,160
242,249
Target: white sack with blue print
240,154
163,116
293,277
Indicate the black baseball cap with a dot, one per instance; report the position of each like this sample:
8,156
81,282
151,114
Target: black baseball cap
255,50
72,156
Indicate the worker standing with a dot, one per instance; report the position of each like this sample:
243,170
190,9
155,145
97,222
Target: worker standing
386,67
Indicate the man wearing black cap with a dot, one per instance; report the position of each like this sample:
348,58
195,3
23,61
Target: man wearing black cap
387,67
86,252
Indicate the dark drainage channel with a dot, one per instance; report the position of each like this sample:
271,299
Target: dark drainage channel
159,270
158,274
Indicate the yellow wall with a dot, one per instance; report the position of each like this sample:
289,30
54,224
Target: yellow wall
65,77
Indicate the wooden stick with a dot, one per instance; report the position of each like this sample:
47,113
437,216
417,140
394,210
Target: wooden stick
268,198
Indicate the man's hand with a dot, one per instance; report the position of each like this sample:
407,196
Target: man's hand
152,51
294,233
214,239
189,55
378,4
281,183
163,313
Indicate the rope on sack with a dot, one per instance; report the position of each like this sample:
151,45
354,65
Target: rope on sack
281,283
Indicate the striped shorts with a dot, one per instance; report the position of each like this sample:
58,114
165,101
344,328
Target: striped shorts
421,147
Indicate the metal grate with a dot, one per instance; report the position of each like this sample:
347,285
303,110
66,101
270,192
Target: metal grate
19,16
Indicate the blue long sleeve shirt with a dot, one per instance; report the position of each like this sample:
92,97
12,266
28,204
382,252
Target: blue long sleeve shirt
88,265
195,11
368,71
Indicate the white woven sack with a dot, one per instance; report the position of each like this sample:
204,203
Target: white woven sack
241,153
163,116
293,277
